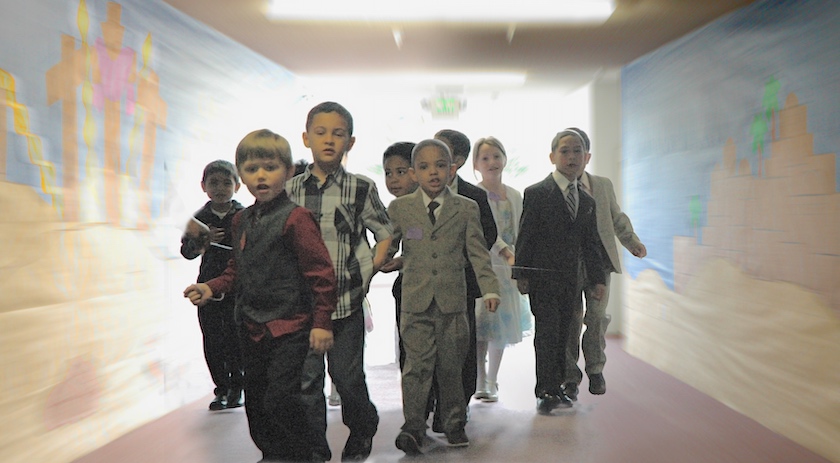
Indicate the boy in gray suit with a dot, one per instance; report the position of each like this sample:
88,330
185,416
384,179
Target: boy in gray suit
611,223
439,231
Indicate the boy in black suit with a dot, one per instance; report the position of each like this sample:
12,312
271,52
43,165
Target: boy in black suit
557,229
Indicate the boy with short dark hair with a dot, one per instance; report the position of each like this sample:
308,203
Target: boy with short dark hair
346,206
218,329
440,232
396,161
459,146
286,292
557,233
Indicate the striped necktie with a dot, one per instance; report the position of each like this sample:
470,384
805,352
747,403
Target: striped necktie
572,200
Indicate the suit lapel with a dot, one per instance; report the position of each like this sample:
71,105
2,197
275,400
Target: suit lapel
556,198
448,210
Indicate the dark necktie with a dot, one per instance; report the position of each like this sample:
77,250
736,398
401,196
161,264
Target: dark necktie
432,206
571,200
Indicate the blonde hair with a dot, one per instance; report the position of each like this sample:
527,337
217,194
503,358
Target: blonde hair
492,141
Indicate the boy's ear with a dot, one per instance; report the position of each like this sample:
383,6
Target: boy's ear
305,140
290,173
412,175
453,172
350,143
203,188
236,187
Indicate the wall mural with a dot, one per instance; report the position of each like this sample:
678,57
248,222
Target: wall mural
108,113
730,142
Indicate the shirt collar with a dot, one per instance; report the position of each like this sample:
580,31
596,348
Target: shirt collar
561,180
337,176
584,180
440,199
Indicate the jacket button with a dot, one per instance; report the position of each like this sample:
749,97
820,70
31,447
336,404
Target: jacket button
434,255
434,272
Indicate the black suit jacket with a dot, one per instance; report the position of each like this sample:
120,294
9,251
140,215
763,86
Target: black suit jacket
488,226
550,244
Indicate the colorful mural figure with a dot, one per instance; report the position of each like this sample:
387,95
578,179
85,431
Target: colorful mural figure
111,191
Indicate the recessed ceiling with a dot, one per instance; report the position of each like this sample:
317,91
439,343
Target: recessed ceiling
548,54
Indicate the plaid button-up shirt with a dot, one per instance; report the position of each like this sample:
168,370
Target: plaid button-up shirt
345,206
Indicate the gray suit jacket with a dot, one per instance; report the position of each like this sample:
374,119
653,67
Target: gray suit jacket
434,256
611,221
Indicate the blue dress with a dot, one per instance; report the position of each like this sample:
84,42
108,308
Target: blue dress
513,317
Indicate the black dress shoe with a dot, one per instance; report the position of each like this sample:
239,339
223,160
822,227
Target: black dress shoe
357,448
409,443
235,398
571,391
597,385
547,402
458,439
219,403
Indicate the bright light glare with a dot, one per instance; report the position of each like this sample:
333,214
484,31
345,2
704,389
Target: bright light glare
504,12
478,79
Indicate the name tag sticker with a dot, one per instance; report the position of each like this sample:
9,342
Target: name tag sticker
414,233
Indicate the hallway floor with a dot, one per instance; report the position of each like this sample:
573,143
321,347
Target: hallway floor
646,416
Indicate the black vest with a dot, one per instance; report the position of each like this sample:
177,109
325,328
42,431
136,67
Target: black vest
269,283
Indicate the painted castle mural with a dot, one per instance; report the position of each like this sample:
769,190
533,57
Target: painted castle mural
775,225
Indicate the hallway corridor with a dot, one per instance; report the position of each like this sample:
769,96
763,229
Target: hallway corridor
645,417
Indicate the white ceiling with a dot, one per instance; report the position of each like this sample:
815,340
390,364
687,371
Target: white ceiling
556,55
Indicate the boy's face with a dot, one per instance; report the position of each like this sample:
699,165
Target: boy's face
568,157
265,178
397,176
329,140
220,187
490,161
432,170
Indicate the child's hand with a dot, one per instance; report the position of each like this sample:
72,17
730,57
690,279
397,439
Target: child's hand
391,265
598,292
639,251
198,293
522,286
492,304
507,254
320,340
217,234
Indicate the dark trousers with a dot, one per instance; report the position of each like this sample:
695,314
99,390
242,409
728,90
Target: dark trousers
346,368
221,344
276,412
555,308
396,291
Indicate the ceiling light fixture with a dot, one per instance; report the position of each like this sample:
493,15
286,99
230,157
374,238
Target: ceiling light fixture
382,80
521,11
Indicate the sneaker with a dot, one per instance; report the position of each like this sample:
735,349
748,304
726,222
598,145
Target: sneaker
409,443
219,403
597,385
